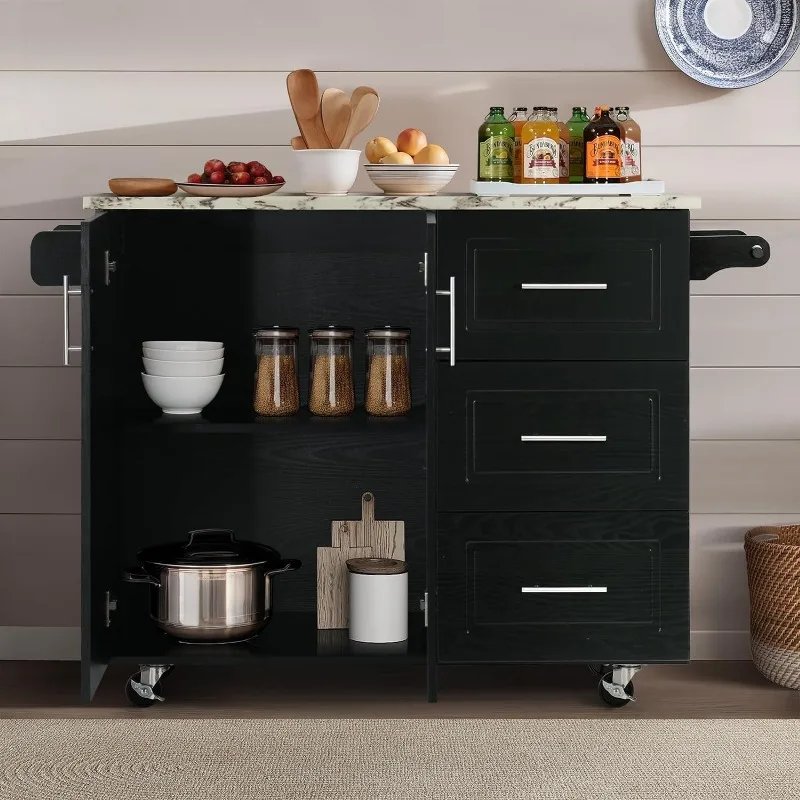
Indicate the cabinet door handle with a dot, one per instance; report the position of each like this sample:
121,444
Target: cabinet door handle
564,589
451,293
66,294
564,438
564,286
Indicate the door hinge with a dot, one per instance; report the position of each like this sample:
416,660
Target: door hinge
423,606
111,605
423,268
111,266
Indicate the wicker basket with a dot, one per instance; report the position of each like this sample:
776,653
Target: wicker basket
773,573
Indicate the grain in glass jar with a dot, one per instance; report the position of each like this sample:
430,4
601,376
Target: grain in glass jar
276,392
330,377
387,392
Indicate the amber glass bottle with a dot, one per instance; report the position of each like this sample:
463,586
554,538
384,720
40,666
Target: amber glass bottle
540,148
563,143
602,142
631,145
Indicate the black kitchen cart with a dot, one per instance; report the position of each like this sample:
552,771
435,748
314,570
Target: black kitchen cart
543,474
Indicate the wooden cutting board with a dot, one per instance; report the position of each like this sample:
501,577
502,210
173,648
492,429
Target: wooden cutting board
361,538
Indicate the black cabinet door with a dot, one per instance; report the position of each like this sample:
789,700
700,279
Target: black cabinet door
100,243
562,437
555,285
609,587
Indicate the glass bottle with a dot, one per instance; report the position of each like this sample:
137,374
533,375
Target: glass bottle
496,147
518,118
631,145
540,148
603,147
330,377
387,389
577,122
563,144
276,392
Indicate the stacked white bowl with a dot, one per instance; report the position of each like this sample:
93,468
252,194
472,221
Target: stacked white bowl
411,179
182,377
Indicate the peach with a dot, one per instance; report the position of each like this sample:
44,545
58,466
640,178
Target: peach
432,154
411,141
397,158
377,148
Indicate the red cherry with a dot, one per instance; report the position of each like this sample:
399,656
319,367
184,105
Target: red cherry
241,178
214,165
195,178
217,177
278,179
260,180
257,169
237,166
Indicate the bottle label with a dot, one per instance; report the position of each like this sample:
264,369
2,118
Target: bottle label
604,157
517,159
540,158
563,159
496,158
576,156
631,159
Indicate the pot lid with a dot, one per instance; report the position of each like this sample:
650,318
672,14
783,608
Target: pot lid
210,547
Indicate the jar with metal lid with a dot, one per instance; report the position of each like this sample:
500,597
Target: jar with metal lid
276,392
387,392
330,389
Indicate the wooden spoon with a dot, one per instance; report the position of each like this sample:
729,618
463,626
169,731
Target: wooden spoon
359,92
304,96
364,110
298,143
336,111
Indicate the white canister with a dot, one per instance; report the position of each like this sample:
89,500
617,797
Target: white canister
378,600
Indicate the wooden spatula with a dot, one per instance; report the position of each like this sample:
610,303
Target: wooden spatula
304,96
364,109
298,143
336,111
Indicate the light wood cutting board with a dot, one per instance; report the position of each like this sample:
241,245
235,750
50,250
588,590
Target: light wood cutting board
361,538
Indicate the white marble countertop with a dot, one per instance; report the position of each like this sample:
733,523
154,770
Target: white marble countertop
280,201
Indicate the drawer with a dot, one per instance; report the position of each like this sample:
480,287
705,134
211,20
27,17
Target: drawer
563,436
563,587
551,286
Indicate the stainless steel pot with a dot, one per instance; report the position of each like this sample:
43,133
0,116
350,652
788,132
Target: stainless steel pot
211,588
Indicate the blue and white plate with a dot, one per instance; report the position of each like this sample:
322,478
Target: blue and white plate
729,43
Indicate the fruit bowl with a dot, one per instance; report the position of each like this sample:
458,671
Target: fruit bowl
229,189
408,179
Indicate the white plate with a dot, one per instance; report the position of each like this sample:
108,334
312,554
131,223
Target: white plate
187,345
229,189
504,189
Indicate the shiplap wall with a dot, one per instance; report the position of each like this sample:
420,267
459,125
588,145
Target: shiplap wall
91,90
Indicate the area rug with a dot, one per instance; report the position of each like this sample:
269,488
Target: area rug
373,759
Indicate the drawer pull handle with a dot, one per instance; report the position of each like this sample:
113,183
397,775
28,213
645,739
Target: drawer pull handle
564,589
66,293
560,438
451,293
564,286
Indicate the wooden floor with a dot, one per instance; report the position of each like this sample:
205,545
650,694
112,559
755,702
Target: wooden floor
702,689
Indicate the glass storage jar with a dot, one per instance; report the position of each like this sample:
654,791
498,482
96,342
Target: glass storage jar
387,392
276,392
330,377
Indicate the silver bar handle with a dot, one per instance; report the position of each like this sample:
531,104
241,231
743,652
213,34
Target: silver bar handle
66,293
564,286
451,293
564,438
564,589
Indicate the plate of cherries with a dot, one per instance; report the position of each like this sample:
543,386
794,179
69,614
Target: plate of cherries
236,179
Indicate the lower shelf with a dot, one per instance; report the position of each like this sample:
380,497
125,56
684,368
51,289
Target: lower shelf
288,635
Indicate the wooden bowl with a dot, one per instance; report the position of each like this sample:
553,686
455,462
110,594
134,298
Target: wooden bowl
142,187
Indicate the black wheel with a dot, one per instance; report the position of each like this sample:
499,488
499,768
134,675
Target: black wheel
609,699
134,698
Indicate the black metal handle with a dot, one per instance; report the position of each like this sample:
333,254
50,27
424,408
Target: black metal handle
140,576
287,565
712,251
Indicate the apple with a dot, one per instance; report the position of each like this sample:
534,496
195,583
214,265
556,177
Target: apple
432,154
214,165
278,179
237,166
260,180
377,148
241,177
257,169
218,176
411,141
195,178
397,158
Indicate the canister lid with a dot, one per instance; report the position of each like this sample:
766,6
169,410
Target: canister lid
376,566
276,332
388,332
210,547
332,332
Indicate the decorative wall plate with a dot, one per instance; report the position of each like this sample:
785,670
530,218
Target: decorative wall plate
729,43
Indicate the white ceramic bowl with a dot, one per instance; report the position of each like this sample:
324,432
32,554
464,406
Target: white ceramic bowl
181,345
183,369
183,355
181,395
408,179
326,171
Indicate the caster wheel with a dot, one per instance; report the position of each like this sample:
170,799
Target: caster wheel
610,699
598,670
134,697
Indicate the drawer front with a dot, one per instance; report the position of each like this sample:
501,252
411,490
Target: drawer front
561,286
562,587
565,436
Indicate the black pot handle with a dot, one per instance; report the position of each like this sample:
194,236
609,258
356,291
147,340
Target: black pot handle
204,536
140,576
288,565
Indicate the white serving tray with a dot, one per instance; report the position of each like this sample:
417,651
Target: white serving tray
503,189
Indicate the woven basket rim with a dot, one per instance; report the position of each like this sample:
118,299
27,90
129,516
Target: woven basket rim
777,530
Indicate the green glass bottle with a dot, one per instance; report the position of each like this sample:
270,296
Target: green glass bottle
496,147
577,153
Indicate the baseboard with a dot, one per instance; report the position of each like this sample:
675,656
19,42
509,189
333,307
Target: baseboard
40,644
720,645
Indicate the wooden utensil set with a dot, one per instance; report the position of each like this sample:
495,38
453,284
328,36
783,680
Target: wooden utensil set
331,119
